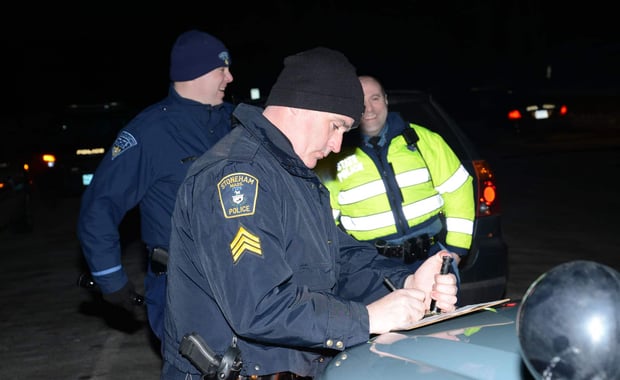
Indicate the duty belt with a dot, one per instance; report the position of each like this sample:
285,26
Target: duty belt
410,250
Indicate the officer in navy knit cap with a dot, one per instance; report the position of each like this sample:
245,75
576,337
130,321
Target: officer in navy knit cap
194,54
145,166
257,263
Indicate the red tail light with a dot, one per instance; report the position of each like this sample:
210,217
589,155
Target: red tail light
487,203
563,110
514,115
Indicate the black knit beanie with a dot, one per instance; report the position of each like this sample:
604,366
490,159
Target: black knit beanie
319,79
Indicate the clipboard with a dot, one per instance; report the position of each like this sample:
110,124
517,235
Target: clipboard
429,320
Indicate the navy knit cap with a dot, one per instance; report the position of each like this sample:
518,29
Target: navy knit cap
319,79
194,54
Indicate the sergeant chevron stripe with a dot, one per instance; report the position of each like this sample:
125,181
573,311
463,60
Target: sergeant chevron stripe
244,240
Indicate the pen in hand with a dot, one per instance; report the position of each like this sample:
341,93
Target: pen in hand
445,269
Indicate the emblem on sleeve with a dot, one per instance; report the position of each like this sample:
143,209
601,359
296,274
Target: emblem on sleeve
124,141
244,241
238,193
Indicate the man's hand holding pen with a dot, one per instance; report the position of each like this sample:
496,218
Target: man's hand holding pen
401,308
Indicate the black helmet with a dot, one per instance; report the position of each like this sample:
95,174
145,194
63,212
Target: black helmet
568,323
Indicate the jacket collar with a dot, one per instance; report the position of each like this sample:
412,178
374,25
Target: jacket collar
272,139
394,126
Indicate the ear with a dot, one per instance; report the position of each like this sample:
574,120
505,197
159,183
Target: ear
385,99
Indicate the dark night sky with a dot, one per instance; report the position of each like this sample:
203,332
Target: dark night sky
96,50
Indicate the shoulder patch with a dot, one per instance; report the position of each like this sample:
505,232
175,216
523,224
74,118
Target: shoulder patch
124,141
238,193
244,241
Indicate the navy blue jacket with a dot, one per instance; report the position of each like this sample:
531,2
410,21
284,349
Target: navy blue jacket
255,254
145,166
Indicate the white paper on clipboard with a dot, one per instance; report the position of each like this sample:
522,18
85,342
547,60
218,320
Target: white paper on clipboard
456,313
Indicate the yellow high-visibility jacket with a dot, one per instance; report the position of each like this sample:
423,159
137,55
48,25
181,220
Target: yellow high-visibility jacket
389,194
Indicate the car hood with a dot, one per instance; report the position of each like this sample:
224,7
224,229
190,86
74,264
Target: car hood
480,345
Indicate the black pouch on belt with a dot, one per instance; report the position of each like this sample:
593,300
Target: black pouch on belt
416,248
389,250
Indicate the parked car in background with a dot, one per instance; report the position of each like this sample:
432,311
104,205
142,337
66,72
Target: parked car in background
15,196
16,211
512,110
484,271
535,112
68,149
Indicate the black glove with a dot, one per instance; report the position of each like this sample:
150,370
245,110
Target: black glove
125,297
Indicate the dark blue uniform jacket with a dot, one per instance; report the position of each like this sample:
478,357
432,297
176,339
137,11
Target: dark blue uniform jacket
255,254
145,166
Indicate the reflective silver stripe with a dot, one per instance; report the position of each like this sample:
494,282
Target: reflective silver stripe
367,223
454,182
374,188
360,193
335,213
386,219
413,177
460,225
409,178
425,206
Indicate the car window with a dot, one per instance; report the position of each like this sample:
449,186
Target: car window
419,108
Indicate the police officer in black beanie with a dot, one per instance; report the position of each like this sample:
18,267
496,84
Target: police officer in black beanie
255,256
